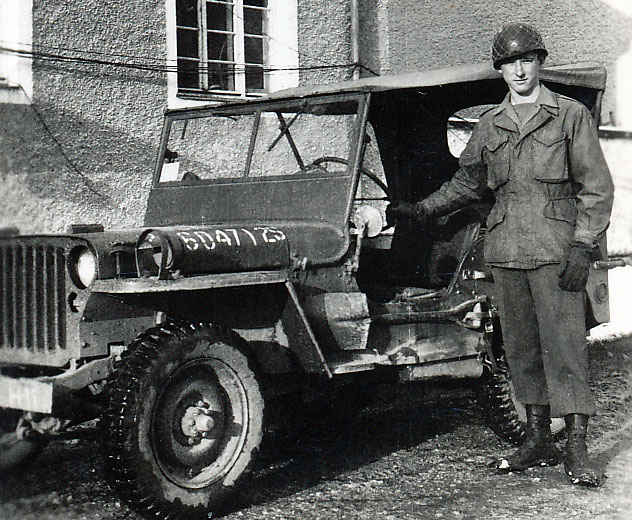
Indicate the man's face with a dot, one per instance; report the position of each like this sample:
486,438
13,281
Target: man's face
522,73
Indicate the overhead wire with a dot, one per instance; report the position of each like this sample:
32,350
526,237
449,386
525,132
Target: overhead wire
142,63
72,165
48,56
228,70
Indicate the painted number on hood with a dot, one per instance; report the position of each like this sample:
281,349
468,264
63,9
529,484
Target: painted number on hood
209,239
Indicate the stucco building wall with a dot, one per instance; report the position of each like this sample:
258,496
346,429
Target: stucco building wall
84,150
324,41
402,35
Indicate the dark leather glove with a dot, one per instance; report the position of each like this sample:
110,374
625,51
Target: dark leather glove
574,268
400,208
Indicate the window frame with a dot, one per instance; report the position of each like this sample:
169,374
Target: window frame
259,109
236,10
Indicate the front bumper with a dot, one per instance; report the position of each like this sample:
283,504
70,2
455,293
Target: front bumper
26,394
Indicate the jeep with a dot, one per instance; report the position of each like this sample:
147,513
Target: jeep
264,274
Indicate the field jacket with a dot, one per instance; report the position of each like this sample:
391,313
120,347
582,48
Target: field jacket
551,182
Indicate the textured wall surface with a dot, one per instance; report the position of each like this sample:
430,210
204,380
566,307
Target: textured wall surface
324,29
401,35
84,151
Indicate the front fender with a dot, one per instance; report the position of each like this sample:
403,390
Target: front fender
260,306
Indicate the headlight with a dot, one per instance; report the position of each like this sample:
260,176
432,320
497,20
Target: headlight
83,267
155,254
152,247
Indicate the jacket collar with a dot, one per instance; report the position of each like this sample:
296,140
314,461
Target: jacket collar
504,114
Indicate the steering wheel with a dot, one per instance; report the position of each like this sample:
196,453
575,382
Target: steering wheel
339,160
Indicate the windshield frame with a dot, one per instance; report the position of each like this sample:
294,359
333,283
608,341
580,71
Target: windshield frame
257,108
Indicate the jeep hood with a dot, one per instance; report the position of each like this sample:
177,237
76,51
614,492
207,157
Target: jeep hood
176,251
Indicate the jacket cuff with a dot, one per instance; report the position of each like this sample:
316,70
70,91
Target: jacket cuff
424,208
585,238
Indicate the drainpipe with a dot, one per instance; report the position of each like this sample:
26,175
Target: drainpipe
355,36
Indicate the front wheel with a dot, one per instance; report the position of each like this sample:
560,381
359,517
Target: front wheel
505,415
184,421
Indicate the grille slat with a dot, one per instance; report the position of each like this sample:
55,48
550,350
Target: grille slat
32,298
4,293
33,329
26,292
41,306
60,292
16,298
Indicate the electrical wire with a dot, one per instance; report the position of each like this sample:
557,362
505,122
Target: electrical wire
147,64
72,165
227,70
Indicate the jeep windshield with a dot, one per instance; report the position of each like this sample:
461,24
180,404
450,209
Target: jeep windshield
259,139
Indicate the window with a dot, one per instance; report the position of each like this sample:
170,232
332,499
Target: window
222,46
16,33
460,127
222,49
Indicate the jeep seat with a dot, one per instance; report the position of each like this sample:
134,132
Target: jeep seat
419,262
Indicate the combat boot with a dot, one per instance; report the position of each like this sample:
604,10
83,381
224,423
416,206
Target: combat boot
577,466
538,448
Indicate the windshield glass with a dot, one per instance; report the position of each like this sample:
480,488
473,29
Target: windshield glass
301,138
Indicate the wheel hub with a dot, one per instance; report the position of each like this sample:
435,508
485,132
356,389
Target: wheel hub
197,422
198,419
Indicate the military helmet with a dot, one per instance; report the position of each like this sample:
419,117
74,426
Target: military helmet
515,39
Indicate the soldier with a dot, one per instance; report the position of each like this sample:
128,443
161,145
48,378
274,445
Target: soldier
539,153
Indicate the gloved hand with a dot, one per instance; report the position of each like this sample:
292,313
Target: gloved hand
400,208
574,268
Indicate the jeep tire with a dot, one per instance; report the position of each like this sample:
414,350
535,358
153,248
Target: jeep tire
504,414
184,420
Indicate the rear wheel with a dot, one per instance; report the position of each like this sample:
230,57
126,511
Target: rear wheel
505,415
184,420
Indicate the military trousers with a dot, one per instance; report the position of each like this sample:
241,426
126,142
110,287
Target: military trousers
544,334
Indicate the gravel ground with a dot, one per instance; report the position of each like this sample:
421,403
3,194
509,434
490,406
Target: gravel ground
399,459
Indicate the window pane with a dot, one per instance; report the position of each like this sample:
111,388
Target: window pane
256,3
220,47
254,79
188,74
460,127
253,21
254,50
188,43
186,13
220,76
207,148
219,17
320,130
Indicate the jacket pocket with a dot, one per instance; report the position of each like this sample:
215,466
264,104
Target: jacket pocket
496,216
563,208
549,149
496,155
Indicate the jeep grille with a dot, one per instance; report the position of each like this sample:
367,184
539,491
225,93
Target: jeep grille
32,298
